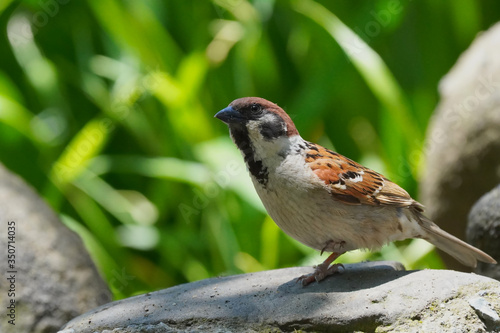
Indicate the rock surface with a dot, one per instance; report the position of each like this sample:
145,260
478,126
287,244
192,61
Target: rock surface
483,230
368,297
55,279
463,142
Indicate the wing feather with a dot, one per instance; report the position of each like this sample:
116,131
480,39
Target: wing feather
352,183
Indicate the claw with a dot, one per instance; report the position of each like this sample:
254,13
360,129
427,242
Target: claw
306,279
319,274
322,271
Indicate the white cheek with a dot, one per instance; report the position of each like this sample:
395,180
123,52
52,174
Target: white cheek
264,149
253,128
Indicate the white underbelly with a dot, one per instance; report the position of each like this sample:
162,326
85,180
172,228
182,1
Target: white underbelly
314,218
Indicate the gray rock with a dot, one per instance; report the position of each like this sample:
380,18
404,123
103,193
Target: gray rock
463,142
483,230
485,311
54,278
374,297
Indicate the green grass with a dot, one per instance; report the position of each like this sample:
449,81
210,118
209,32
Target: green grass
106,108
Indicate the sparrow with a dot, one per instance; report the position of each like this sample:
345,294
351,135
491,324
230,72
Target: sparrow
323,199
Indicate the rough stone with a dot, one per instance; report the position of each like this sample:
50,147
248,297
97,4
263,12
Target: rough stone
483,230
55,279
463,142
367,297
485,311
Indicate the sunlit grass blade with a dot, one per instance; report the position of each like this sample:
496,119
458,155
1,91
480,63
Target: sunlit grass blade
179,95
16,116
246,263
416,251
270,234
95,219
466,19
108,197
4,4
140,35
223,235
242,10
170,168
121,103
194,270
229,169
85,145
369,64
105,263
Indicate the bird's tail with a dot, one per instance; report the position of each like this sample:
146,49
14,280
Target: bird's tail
458,249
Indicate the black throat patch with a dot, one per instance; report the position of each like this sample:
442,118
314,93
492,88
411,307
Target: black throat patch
242,140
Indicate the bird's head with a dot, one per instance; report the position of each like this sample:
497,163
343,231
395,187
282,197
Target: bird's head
260,118
263,132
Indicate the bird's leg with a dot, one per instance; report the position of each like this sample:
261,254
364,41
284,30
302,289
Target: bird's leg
330,246
322,270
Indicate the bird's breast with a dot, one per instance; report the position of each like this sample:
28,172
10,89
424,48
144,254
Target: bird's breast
302,206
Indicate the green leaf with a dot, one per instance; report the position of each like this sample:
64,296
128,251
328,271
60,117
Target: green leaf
85,145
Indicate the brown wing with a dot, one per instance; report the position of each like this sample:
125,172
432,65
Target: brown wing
352,183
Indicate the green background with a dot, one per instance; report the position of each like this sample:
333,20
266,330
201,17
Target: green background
106,109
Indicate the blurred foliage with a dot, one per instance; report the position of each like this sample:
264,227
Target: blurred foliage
106,108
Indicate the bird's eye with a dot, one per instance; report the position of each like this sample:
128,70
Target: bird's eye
255,108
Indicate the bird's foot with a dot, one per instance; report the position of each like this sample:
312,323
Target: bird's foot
320,273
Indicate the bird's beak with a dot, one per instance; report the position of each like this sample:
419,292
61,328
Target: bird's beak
229,115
